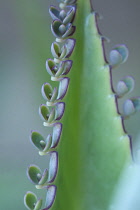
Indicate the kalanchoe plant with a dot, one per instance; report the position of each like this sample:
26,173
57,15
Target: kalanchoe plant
86,165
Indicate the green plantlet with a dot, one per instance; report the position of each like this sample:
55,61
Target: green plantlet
86,165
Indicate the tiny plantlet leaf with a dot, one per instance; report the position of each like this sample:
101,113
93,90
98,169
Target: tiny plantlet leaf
70,30
131,106
62,15
57,129
67,66
54,12
70,44
65,51
59,110
56,30
53,166
125,85
33,173
48,143
70,16
48,93
58,52
44,177
30,200
63,86
36,138
118,55
60,69
50,196
38,205
46,114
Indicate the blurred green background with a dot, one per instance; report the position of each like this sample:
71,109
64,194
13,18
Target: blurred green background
25,45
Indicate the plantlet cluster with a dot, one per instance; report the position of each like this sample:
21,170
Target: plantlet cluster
62,27
95,147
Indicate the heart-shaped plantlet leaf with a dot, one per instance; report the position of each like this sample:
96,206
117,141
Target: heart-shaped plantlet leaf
62,15
51,67
38,140
118,55
44,177
49,93
57,51
53,166
30,199
70,44
59,110
34,174
67,66
54,12
47,146
70,16
46,114
57,129
50,196
60,70
131,106
38,204
59,30
70,29
125,85
56,28
63,86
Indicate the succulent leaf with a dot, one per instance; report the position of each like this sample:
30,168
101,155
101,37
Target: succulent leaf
44,177
59,110
118,55
102,151
54,12
51,193
55,28
53,166
48,93
131,106
65,51
55,49
60,69
57,129
36,138
63,86
30,199
47,145
67,67
125,85
46,114
51,67
34,174
38,204
70,29
57,32
70,16
70,44
58,52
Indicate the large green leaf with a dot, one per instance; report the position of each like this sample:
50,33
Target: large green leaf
94,148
